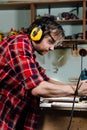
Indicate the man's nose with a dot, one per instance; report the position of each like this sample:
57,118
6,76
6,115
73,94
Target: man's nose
51,47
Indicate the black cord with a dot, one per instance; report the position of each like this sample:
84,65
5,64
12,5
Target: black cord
72,111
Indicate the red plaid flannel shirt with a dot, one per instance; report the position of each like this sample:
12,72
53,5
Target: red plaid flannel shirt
19,73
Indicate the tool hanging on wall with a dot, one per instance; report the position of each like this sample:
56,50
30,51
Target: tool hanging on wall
75,9
82,53
75,49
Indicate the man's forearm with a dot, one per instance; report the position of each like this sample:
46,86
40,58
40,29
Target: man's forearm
47,89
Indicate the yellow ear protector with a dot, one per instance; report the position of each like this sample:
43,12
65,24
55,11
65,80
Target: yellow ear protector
36,33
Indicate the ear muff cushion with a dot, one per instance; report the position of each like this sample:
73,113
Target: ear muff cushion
36,35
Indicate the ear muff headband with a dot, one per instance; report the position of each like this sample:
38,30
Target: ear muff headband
36,33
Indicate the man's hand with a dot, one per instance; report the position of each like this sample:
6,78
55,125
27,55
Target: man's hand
82,89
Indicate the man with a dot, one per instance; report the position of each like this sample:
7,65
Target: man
23,80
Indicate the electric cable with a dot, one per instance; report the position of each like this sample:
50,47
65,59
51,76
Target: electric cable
82,53
72,111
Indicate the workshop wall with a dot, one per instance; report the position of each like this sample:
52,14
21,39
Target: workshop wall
61,65
14,19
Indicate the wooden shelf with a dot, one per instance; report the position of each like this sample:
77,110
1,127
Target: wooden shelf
71,21
64,4
14,5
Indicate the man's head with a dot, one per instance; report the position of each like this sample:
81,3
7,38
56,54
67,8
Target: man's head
46,33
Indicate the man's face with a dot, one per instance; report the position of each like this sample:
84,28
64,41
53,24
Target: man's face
46,44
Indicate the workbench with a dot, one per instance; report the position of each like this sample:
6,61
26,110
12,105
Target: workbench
55,114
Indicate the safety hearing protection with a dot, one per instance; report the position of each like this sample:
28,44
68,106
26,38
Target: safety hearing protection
37,33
